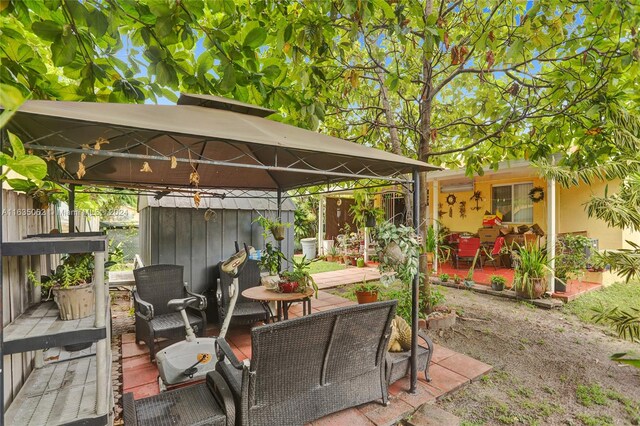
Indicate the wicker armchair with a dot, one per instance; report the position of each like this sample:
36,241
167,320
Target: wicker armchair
306,368
399,363
155,286
246,311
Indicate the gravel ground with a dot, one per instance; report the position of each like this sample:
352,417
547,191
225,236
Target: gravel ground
549,367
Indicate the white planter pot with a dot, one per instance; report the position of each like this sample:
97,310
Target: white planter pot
75,302
309,246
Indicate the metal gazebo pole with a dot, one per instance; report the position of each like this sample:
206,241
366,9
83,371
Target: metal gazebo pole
415,287
1,302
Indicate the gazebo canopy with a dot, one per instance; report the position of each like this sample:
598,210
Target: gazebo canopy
230,144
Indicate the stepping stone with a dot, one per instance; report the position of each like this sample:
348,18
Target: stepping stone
431,415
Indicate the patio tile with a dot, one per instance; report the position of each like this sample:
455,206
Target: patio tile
386,416
423,394
139,376
350,416
444,380
465,366
133,349
135,361
440,353
129,338
144,391
432,415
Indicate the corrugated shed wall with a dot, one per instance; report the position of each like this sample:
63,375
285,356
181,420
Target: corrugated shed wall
183,236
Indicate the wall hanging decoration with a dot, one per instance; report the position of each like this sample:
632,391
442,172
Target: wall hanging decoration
463,209
477,197
440,211
536,194
451,199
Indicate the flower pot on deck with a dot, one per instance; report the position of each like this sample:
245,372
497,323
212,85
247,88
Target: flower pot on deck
366,297
75,302
441,320
288,287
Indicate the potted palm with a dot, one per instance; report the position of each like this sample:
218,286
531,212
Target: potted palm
531,269
270,264
366,292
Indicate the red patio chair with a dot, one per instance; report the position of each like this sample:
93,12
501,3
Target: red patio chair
467,249
494,255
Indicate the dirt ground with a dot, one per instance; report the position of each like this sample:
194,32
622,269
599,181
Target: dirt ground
549,367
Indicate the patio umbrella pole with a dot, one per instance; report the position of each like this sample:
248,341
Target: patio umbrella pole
72,208
414,289
279,212
1,303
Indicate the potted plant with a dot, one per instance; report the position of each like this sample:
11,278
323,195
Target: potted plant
360,262
430,244
276,227
444,277
571,259
366,292
457,279
299,278
72,286
332,254
498,282
364,213
270,263
442,317
531,268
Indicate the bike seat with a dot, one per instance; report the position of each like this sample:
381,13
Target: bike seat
180,304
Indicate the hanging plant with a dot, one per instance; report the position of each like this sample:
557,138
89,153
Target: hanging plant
451,199
536,194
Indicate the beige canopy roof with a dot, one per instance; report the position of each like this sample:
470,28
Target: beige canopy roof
229,143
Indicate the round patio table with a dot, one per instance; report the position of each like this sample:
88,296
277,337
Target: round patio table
283,300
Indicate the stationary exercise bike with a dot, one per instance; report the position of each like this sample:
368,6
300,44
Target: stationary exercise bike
194,357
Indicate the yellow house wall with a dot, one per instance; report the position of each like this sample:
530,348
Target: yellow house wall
572,217
473,219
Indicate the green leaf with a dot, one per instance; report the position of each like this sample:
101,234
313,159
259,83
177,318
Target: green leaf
63,50
204,64
16,145
228,78
161,8
165,74
10,97
22,185
29,166
255,38
271,72
48,30
164,26
386,8
98,23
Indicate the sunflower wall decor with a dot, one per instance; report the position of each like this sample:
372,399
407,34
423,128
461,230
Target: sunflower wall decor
536,194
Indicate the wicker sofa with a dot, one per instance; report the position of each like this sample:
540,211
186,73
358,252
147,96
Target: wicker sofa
309,367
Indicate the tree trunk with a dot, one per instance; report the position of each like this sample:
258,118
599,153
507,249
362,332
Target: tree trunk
396,146
424,149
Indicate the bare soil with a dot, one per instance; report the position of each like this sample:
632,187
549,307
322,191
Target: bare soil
549,367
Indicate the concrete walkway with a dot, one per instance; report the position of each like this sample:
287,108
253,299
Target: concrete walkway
349,275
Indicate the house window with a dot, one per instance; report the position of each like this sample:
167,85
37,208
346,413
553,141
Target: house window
513,202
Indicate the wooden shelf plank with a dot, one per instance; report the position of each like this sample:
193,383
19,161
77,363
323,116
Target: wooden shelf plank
40,327
54,245
59,393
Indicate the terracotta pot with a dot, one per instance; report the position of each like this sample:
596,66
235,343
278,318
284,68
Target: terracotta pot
329,258
75,302
278,232
289,287
430,257
346,260
535,290
367,297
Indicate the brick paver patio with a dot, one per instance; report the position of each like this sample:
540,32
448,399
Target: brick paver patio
449,370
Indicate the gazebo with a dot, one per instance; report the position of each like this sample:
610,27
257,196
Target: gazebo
202,144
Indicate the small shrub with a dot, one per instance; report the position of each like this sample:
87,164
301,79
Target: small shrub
444,277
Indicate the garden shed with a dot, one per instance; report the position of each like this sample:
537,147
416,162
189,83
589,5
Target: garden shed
173,230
